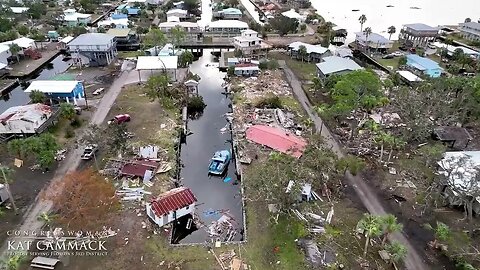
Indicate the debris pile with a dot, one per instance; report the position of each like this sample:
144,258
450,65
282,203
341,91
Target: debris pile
223,228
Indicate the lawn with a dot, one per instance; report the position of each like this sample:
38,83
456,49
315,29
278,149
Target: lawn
389,63
305,71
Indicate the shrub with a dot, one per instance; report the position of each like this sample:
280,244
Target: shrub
69,132
272,102
196,105
76,123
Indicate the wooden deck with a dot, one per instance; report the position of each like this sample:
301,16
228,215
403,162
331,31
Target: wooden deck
27,67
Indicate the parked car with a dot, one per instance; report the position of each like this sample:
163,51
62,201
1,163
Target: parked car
431,46
388,56
119,119
89,151
398,54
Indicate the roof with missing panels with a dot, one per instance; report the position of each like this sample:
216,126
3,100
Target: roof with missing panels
172,200
92,39
277,139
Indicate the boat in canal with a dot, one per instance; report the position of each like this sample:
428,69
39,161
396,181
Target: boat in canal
219,162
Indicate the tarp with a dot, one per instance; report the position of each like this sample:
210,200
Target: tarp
277,139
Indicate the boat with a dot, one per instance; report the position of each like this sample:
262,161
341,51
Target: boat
219,162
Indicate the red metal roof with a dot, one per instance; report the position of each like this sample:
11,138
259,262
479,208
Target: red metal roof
277,139
138,167
172,200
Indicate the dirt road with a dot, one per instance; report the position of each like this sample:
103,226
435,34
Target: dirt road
368,197
72,160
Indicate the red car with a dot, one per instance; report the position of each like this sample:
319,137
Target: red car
121,118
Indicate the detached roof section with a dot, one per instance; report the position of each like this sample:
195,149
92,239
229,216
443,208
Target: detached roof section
137,168
173,200
277,139
157,62
310,48
60,87
29,113
462,172
334,64
409,76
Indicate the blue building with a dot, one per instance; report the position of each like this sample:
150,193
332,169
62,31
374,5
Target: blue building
119,16
424,65
69,91
131,10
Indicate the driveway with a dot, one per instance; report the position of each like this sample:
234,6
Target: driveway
370,200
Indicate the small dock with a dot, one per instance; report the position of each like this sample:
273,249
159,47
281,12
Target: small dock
7,85
27,67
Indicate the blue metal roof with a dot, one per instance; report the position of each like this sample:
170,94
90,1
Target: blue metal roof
421,63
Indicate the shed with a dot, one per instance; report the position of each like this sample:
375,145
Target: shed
138,168
409,76
277,139
171,205
335,65
246,69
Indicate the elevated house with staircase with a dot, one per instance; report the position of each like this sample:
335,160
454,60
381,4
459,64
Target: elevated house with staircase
93,49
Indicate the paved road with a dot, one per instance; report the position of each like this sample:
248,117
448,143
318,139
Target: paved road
368,197
72,160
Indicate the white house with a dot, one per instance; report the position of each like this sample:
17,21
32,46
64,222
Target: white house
227,27
121,23
470,30
23,42
171,205
373,41
315,53
249,43
180,13
72,18
292,14
19,10
189,27
25,119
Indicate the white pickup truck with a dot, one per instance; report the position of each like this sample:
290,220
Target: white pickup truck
89,151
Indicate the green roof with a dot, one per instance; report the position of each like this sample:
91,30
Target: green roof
119,32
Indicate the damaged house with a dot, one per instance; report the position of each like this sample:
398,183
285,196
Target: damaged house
171,206
462,184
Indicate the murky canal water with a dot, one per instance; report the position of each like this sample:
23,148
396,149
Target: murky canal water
215,196
17,97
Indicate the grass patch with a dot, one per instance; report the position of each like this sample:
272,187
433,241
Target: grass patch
123,55
291,103
389,63
303,70
285,233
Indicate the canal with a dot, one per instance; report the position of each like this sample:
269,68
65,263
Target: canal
18,97
218,197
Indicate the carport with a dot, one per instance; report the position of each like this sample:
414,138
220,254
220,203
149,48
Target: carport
165,64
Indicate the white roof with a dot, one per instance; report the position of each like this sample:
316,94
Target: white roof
4,47
3,65
181,24
136,1
462,172
409,76
248,68
334,64
22,42
249,32
292,14
228,24
177,10
66,39
75,17
173,19
123,21
310,48
19,10
157,62
30,113
59,87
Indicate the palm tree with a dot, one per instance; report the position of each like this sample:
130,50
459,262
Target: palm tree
362,20
390,225
397,251
302,52
6,173
372,227
37,97
383,138
367,32
448,41
391,30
